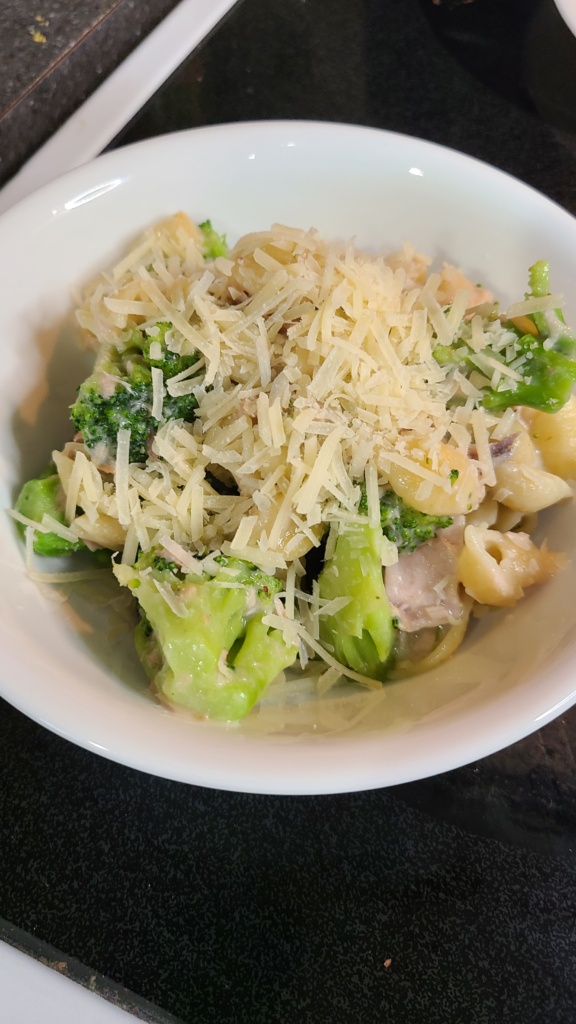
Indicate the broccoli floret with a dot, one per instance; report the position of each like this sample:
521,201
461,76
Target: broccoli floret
171,363
361,633
404,525
539,285
207,647
119,395
99,417
547,387
548,369
214,244
44,496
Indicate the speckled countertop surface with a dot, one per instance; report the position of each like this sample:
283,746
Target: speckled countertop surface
449,901
53,54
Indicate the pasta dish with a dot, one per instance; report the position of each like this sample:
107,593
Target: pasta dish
299,456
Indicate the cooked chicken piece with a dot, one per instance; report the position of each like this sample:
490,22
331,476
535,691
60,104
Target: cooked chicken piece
423,585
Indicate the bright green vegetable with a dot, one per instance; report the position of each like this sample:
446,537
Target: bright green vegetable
453,355
214,244
548,385
544,358
171,363
213,654
549,370
403,525
539,284
360,634
44,496
119,394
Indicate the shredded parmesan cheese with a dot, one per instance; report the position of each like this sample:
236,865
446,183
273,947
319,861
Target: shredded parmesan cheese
157,392
121,478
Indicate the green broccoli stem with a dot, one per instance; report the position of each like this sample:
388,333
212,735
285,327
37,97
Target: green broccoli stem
362,633
539,279
44,496
218,656
539,284
552,377
192,647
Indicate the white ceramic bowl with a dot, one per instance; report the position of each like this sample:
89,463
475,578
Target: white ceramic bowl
567,10
65,665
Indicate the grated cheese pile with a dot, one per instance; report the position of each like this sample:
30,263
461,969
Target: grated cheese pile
316,376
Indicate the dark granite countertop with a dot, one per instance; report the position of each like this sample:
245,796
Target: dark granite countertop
448,901
53,55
